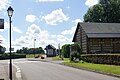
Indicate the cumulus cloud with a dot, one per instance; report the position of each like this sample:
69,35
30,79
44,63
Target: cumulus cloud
3,41
76,21
90,3
69,31
72,30
33,32
55,16
49,0
14,29
3,4
62,38
31,18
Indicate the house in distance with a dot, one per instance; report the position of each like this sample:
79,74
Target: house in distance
50,51
98,37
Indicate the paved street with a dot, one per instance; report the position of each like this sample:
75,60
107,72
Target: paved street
37,70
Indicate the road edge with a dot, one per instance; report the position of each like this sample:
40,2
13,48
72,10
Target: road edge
18,72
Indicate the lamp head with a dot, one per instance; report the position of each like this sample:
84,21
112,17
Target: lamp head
10,11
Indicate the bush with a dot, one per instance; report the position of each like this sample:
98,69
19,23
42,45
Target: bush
113,59
75,53
13,56
66,50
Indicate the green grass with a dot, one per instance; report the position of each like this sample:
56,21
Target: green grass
97,67
58,58
31,55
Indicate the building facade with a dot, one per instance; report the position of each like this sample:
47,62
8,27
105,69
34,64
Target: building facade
50,51
98,37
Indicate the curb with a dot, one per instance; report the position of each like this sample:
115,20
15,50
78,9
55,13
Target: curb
18,73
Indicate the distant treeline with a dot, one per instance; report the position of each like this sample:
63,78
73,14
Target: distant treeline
26,50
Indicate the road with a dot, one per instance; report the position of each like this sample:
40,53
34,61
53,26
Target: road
37,70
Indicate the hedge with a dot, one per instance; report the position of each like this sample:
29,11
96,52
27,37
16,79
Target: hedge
113,59
13,57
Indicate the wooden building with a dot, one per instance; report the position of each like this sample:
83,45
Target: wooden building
98,37
50,51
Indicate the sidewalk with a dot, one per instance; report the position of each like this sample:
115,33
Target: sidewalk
4,72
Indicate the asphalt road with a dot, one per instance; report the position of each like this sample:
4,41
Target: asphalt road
37,70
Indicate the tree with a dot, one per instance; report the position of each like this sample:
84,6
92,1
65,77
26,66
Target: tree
2,49
75,52
107,11
26,50
66,50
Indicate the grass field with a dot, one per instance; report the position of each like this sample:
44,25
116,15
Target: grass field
97,67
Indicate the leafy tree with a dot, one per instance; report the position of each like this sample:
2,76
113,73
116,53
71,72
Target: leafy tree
66,50
2,49
25,50
107,11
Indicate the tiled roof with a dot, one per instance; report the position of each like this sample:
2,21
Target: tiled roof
101,27
100,30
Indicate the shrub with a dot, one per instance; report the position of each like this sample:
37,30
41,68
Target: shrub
113,59
75,52
66,50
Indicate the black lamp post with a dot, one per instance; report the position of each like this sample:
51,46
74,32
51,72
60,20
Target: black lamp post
10,13
34,47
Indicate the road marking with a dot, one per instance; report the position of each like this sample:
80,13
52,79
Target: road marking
18,73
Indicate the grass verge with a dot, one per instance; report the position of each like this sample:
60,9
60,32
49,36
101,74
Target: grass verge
58,58
31,55
97,67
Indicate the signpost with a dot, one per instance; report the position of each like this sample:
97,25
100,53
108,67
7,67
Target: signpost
1,23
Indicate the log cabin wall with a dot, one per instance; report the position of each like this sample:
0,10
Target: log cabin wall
104,45
83,40
98,37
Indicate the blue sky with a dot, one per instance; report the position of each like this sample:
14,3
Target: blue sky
49,21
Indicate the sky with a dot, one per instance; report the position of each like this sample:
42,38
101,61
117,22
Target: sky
48,21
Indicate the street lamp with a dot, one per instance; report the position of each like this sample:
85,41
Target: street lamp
34,47
10,13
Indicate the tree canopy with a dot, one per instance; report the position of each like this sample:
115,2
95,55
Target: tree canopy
106,11
2,49
25,50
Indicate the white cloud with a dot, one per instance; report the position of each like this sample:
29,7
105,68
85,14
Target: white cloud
76,21
15,29
69,31
62,38
55,16
31,18
53,36
34,31
4,42
72,30
49,0
90,3
3,4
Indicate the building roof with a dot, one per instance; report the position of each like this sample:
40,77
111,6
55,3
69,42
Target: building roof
101,27
50,47
100,30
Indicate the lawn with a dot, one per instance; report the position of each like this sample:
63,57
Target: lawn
58,58
97,67
31,55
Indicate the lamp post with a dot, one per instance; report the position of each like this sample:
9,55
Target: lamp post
10,13
34,47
